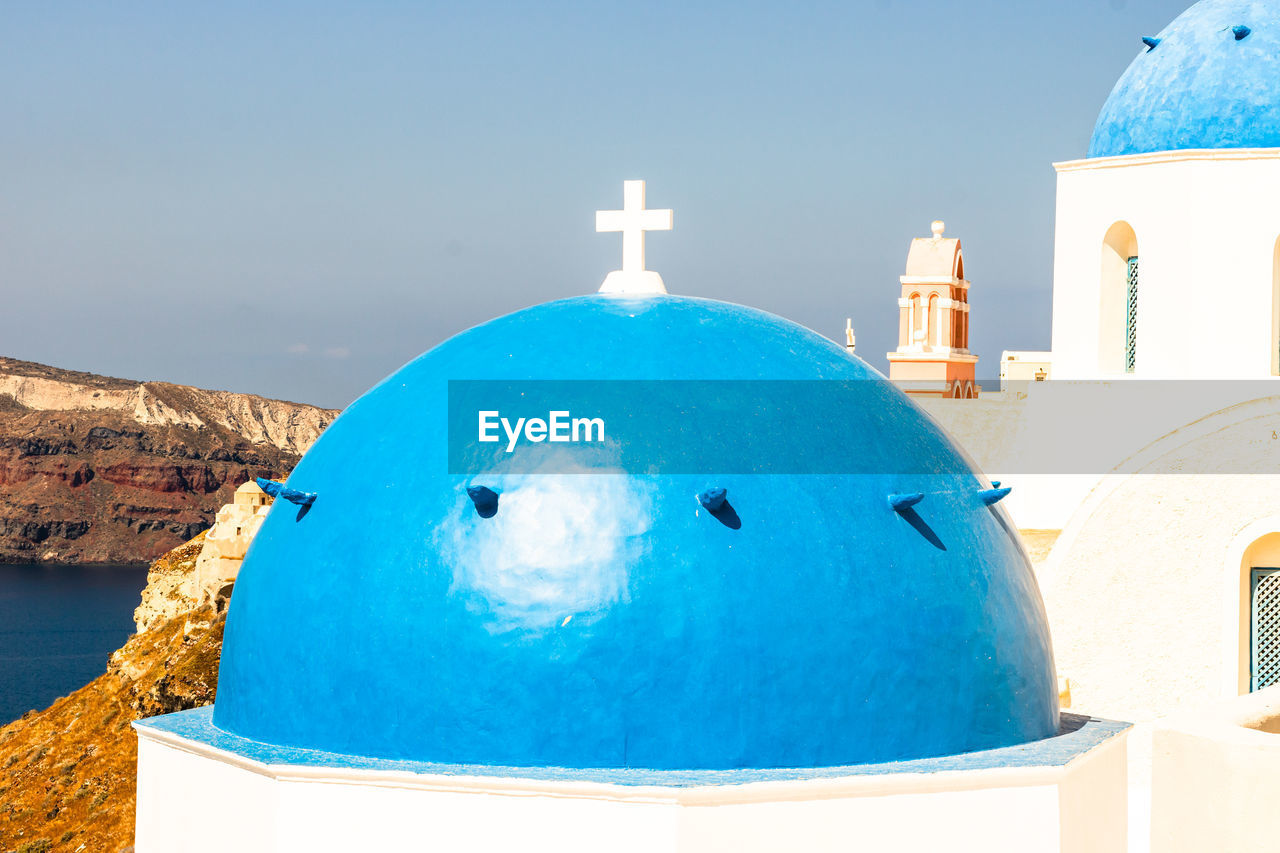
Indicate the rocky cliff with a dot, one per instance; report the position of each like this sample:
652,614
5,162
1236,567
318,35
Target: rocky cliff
68,773
96,469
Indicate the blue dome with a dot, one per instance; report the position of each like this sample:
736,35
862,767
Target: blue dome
604,620
1212,81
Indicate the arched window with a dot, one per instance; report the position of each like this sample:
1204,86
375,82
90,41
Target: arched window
1253,569
933,320
915,326
1264,627
1118,301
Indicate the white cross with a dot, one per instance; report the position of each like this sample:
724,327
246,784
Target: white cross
633,220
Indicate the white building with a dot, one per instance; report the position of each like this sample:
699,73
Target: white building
480,660
1167,267
1162,589
227,541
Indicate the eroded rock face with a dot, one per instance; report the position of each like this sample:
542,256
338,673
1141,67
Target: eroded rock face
289,427
201,574
95,469
169,592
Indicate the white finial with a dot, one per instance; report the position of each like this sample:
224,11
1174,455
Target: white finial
850,342
633,220
938,228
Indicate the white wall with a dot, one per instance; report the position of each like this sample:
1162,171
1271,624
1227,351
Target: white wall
1206,224
1147,587
1215,778
196,799
1132,589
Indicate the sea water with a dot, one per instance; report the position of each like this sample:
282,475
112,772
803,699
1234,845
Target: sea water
58,626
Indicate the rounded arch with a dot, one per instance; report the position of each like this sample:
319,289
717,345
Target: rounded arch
932,321
915,321
1117,303
1257,545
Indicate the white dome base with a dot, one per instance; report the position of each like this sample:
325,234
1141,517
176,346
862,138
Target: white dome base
200,789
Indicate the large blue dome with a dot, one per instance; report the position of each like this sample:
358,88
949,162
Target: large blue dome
1206,84
604,620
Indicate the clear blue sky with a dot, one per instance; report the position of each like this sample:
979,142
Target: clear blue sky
295,199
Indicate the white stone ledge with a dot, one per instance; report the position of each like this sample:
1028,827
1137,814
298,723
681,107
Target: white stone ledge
1200,154
1063,794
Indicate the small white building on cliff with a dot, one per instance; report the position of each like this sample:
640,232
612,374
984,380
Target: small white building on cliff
227,541
176,586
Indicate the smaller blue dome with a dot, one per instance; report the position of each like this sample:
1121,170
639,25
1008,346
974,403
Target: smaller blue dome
1212,80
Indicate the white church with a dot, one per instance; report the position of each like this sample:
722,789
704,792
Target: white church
1160,402
701,661
1148,464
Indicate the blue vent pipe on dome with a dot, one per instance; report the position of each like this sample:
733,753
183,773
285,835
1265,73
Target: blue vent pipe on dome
1150,42
714,499
280,490
1241,32
485,499
716,502
904,506
900,503
991,497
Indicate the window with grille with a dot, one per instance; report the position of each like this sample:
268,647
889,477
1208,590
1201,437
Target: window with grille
1131,319
1264,657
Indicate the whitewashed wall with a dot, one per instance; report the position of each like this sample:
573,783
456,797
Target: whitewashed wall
196,799
1206,224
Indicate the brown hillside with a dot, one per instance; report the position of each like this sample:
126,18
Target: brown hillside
68,772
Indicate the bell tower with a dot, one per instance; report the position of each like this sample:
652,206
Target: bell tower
933,358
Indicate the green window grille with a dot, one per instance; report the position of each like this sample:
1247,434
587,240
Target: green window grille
1131,319
1264,629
